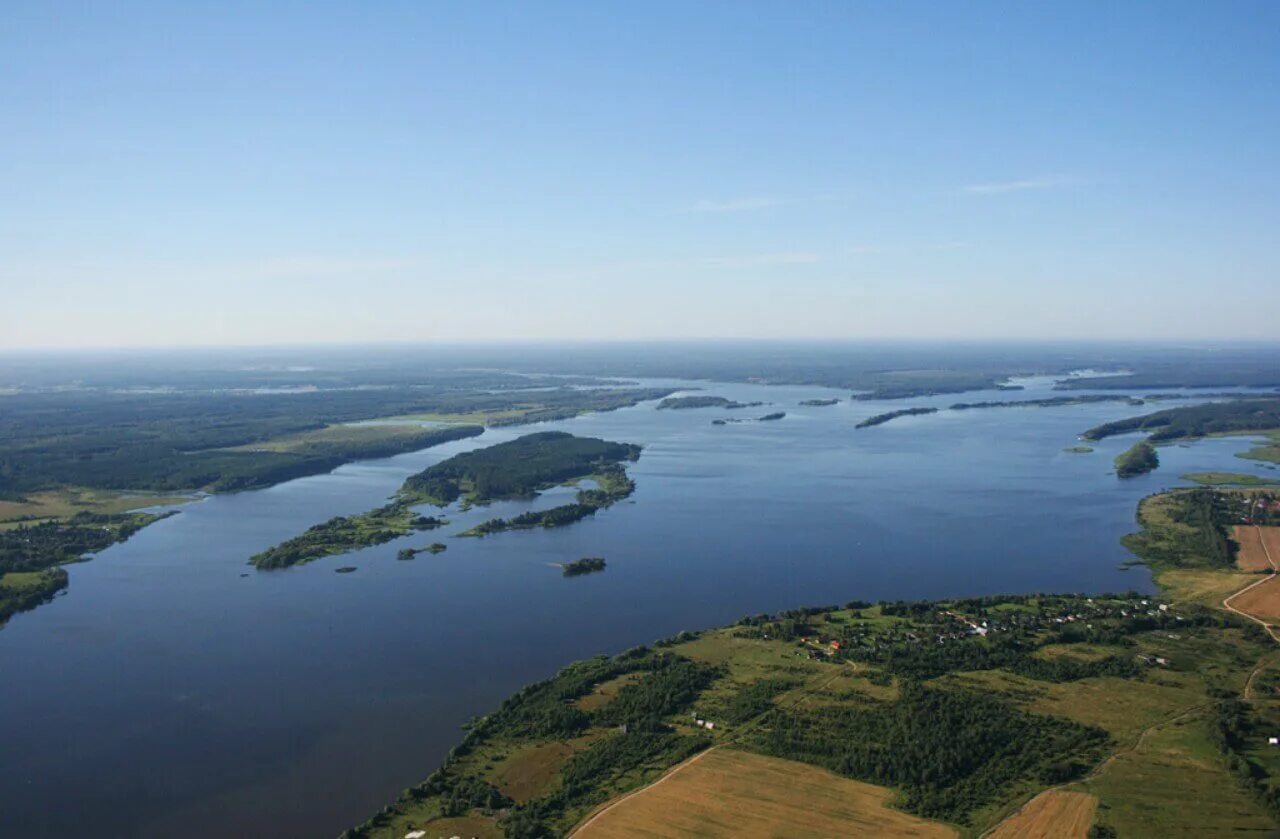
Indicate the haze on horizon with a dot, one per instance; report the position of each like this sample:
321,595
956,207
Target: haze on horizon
294,173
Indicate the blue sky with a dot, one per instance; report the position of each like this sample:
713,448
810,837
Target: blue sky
227,173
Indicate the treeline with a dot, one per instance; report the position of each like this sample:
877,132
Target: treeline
1051,402
881,419
517,468
950,752
1197,420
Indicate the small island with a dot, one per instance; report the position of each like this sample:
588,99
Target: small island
1138,460
586,565
881,419
1078,449
777,415
410,553
819,403
683,403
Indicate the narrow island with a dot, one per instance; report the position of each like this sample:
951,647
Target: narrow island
1140,459
586,565
1078,449
777,415
683,403
1006,715
881,419
819,403
410,553
1240,416
519,468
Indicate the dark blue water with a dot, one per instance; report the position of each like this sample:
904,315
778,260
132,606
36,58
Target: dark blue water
168,694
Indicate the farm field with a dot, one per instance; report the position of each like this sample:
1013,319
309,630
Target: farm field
1056,814
731,793
1261,601
1252,555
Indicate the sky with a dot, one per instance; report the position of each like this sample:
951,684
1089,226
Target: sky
258,173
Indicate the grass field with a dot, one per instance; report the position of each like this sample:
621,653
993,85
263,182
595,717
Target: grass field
1175,783
1269,451
66,502
1056,814
338,435
729,793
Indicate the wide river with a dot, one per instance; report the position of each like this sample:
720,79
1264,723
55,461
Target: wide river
174,691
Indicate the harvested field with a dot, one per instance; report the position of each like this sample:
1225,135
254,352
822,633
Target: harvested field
1053,814
1252,555
731,793
1262,601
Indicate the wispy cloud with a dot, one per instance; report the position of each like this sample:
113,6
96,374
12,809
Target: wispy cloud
1041,182
731,205
782,258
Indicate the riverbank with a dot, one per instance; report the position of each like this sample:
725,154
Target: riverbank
1061,692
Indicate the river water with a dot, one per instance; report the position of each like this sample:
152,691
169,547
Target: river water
175,691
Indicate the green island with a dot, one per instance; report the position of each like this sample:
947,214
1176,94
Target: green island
1078,449
819,403
1044,714
1138,459
881,419
1228,479
343,534
1239,416
1054,401
32,554
586,565
679,403
612,485
433,548
773,417
518,468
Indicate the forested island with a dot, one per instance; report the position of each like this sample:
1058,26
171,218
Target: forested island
881,419
612,485
1051,402
679,403
1139,459
773,417
518,468
1190,421
819,403
586,565
32,555
343,534
1120,715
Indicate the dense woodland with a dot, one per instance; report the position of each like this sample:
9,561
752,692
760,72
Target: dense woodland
174,441
1138,459
516,469
1197,420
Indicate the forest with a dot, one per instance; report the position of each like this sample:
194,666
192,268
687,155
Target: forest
1189,421
222,441
676,403
516,469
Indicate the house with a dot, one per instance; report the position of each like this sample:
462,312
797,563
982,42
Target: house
1273,741
415,834
710,725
